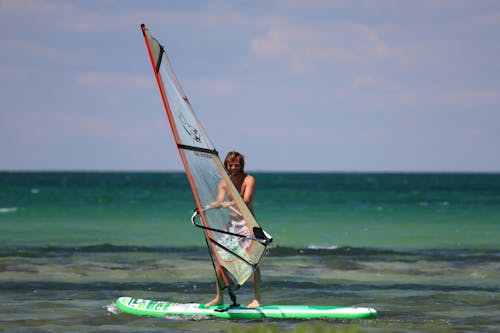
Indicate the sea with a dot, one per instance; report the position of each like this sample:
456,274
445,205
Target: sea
423,249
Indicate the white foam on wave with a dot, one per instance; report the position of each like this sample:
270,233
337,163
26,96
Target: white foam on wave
322,247
112,308
196,317
8,209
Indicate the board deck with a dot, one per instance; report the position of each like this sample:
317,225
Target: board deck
144,307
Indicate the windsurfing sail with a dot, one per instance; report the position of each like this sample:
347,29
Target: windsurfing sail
235,239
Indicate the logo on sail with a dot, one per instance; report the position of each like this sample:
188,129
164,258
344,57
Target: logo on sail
191,130
235,246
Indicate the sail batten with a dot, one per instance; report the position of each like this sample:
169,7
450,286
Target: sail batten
235,239
203,150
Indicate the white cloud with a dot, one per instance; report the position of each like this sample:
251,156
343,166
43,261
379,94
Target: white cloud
363,81
214,86
319,47
16,74
274,44
113,81
33,51
34,8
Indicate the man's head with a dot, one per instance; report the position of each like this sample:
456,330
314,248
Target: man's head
234,162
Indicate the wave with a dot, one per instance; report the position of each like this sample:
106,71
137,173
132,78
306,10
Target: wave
202,287
101,285
367,253
61,251
296,285
4,210
391,254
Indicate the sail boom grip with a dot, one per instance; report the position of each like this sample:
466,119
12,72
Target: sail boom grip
262,241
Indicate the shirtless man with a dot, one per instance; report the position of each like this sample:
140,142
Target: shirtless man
245,184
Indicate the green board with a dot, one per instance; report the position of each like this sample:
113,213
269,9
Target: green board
144,307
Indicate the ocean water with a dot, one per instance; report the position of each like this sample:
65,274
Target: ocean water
422,249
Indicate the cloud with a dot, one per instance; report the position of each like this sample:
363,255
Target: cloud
363,81
45,14
32,52
274,44
113,81
113,88
311,48
35,7
214,86
15,75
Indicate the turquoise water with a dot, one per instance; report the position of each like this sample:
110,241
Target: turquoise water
418,211
423,249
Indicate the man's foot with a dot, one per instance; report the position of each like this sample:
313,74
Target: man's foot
215,301
254,304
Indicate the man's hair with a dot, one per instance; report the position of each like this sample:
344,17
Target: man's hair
233,156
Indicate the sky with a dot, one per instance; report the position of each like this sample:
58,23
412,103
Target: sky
312,85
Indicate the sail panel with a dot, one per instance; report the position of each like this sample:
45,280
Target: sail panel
236,251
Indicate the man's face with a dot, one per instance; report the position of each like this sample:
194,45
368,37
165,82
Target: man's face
234,167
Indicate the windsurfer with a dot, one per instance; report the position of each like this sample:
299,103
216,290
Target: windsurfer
245,184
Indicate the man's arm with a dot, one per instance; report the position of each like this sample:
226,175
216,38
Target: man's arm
221,193
249,189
